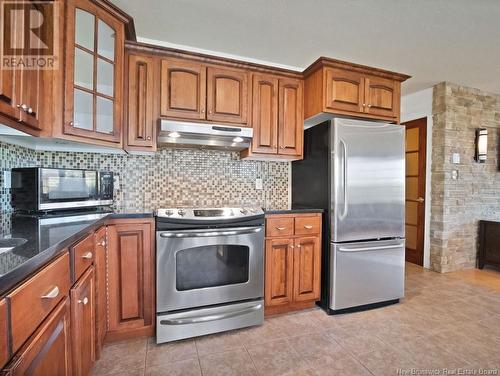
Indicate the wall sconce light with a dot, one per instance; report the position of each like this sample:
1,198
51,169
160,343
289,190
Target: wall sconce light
481,144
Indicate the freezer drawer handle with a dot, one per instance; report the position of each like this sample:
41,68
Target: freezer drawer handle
371,248
195,234
207,318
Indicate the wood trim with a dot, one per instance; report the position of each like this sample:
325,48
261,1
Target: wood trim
345,65
290,307
124,17
168,52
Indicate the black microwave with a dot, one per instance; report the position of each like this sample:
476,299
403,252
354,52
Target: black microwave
40,189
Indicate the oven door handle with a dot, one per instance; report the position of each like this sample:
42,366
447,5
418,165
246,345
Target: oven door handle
206,318
202,234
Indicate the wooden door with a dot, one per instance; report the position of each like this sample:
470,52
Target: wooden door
227,95
100,247
279,272
142,117
382,97
306,269
130,279
344,90
93,72
8,103
29,84
183,89
48,352
83,323
415,189
265,114
290,117
4,346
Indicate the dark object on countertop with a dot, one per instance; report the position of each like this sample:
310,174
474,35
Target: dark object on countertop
489,243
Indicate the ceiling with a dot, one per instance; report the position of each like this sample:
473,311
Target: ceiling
431,40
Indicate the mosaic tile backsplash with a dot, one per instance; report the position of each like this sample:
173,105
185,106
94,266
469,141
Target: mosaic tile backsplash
170,177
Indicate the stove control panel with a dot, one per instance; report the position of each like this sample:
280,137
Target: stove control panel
208,213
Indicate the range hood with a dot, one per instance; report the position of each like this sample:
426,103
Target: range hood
203,135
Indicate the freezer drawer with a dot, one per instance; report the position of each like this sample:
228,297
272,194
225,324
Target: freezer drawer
199,322
366,273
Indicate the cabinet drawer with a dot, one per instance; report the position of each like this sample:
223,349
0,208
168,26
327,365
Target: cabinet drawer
279,226
307,225
31,302
82,256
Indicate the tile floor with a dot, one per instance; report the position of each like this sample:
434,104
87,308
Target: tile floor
447,321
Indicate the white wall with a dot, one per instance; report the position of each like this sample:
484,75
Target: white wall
416,106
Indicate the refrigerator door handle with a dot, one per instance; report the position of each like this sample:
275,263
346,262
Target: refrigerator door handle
362,249
344,179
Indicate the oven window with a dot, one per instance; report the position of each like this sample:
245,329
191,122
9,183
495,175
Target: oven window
212,265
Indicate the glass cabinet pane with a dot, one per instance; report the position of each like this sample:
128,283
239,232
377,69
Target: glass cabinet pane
83,117
104,115
105,40
104,77
84,29
84,69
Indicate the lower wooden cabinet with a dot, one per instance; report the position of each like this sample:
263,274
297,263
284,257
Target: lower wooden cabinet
4,346
131,279
83,323
100,247
292,262
48,352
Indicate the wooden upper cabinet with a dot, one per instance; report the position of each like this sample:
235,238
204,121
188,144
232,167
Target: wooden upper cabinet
343,90
227,95
48,352
4,346
265,114
83,323
142,94
131,278
382,97
93,73
183,89
278,271
290,117
307,264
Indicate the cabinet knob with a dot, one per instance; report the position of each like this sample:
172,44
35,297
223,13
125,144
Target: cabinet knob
364,104
148,138
73,124
369,106
52,293
84,301
22,106
298,245
292,247
29,110
87,256
202,110
103,243
282,147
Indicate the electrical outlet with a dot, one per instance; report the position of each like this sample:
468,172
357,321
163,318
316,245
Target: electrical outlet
258,183
455,158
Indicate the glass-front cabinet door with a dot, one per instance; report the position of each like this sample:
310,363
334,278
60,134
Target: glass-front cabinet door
94,65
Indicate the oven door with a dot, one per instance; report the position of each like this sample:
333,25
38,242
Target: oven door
196,268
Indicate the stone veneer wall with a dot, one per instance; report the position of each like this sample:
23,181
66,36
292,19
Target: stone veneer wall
458,205
170,177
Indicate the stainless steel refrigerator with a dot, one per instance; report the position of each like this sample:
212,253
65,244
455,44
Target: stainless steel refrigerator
355,171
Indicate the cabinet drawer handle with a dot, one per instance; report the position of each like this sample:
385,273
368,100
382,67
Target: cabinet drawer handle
87,256
280,228
308,227
52,293
84,301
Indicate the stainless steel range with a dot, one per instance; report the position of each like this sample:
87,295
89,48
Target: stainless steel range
209,271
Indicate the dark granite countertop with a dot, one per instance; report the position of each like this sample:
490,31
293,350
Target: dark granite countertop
294,211
44,237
